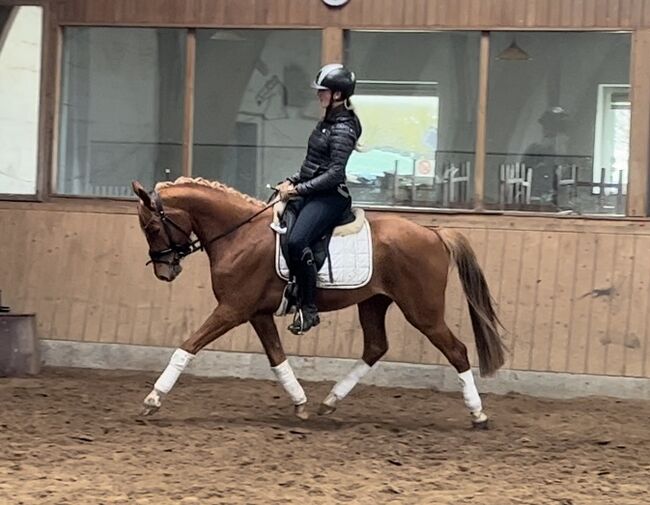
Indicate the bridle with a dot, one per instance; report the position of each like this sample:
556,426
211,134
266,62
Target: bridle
180,251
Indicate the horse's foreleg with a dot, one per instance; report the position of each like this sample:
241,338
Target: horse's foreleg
267,331
372,315
220,321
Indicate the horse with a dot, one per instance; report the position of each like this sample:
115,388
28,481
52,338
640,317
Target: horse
410,268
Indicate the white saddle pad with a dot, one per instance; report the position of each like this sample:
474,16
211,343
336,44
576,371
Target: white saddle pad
351,257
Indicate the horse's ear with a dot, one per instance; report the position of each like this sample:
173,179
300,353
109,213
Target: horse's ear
142,194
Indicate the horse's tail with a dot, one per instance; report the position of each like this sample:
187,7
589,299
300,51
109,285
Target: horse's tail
481,310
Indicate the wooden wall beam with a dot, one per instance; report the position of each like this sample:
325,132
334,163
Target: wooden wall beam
481,122
420,14
332,45
188,107
638,187
50,91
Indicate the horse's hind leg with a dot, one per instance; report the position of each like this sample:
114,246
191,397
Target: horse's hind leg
429,319
372,314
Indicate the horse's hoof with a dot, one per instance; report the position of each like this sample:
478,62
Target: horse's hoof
149,410
300,411
328,406
480,425
326,410
151,403
480,421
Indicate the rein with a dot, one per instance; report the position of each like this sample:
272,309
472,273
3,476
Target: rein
192,246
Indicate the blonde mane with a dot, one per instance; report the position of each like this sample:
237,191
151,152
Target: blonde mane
200,181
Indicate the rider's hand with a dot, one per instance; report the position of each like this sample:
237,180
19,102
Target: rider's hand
288,193
286,190
283,185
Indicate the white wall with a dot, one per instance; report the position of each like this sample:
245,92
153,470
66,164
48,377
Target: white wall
20,70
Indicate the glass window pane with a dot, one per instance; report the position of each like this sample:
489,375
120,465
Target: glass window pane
121,109
558,122
20,76
254,109
418,115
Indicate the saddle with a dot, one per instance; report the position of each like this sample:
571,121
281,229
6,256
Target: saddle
285,216
353,222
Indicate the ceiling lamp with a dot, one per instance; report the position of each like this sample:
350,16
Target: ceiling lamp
513,53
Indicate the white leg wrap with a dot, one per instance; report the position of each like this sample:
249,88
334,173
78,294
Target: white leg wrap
177,363
470,393
287,378
343,387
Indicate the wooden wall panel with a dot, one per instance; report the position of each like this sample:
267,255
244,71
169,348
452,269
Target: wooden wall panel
507,295
620,304
562,312
570,339
544,303
569,14
636,324
525,309
602,290
574,294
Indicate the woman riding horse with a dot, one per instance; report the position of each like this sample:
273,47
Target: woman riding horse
321,183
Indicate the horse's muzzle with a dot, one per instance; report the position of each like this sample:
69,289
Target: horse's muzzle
167,272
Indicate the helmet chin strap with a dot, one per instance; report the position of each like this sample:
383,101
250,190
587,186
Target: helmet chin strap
331,103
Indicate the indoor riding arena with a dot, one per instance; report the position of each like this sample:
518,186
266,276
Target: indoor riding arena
505,141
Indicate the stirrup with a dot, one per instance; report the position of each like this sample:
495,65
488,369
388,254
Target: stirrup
298,327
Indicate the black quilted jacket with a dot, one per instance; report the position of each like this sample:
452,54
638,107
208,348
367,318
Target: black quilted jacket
328,150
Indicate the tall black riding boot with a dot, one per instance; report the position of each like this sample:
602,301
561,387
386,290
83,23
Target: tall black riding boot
307,316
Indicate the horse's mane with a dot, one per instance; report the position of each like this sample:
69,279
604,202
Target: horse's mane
200,181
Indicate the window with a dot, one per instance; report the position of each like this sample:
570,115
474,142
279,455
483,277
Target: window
254,109
418,115
558,122
121,109
557,132
20,76
612,139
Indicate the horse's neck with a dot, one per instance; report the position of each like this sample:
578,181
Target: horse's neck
213,211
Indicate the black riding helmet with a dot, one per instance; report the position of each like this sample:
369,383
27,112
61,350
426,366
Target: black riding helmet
335,77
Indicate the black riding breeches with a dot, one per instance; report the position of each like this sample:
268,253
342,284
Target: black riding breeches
319,215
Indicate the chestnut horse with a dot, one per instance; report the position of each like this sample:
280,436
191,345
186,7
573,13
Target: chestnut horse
410,267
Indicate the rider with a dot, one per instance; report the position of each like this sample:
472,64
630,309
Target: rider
321,182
